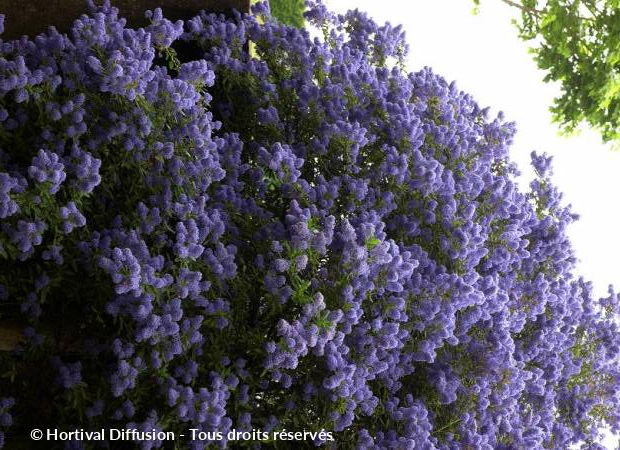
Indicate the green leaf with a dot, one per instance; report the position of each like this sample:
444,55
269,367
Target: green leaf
372,242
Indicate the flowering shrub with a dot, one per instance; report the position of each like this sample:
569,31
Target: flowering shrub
311,239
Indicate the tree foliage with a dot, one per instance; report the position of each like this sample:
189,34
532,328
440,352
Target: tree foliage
577,42
290,12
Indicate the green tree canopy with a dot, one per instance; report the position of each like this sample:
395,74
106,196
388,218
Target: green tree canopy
290,12
577,42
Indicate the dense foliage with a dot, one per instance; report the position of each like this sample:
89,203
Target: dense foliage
311,239
290,12
577,44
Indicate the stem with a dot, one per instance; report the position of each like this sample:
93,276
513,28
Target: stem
454,422
538,13
535,12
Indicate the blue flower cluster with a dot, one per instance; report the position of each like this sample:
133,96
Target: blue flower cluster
6,420
225,223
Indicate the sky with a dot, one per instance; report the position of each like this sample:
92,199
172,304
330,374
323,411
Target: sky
487,59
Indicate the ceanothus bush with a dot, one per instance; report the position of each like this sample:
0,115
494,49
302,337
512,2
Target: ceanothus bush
223,223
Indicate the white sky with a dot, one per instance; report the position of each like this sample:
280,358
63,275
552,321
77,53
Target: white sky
487,59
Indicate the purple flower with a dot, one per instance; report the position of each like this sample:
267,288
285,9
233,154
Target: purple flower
8,206
72,218
47,168
162,31
69,374
124,269
28,235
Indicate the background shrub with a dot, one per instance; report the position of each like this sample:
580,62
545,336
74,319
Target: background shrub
290,12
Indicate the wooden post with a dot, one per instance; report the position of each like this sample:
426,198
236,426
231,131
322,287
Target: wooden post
31,17
10,334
